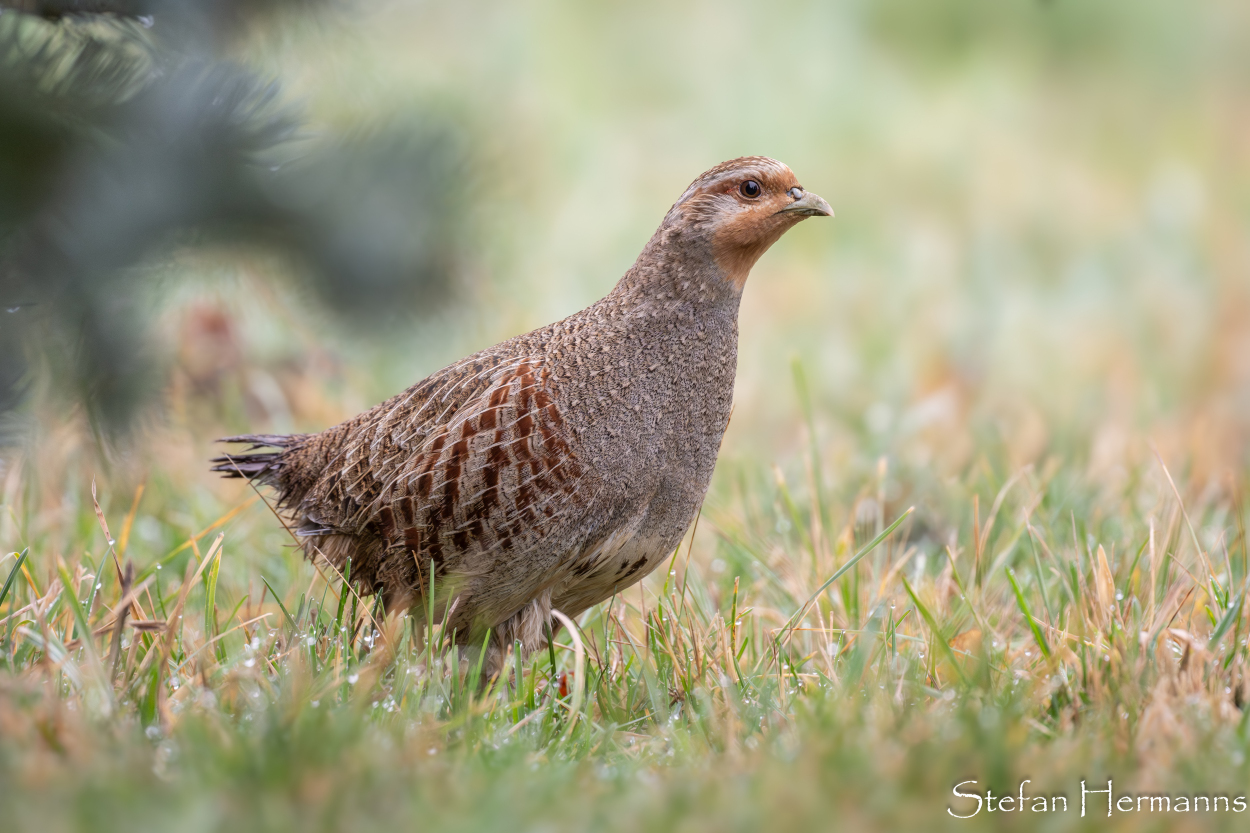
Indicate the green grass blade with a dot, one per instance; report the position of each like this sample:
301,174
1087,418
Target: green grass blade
8,583
210,597
1226,621
933,626
841,571
1038,636
347,578
481,661
1041,577
278,599
80,618
89,605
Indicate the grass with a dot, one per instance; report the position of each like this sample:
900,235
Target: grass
824,663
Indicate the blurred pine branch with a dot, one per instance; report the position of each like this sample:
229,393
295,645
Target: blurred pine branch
126,133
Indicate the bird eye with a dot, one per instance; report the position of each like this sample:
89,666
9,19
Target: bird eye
750,189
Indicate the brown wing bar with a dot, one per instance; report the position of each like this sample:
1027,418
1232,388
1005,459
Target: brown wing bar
473,465
491,479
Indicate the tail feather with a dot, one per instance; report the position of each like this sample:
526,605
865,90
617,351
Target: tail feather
265,467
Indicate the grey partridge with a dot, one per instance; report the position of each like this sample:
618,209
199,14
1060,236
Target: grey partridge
557,467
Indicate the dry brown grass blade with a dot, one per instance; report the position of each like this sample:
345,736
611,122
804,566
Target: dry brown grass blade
1104,587
37,606
129,523
128,577
104,526
1202,554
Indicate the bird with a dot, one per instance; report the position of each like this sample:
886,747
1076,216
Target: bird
556,468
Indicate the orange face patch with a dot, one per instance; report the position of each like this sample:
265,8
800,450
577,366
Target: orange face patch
750,226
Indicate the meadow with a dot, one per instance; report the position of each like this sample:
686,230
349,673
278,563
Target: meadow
980,514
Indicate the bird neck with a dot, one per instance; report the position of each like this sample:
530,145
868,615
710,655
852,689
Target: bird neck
678,268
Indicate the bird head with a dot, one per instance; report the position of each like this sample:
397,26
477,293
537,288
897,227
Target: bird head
740,208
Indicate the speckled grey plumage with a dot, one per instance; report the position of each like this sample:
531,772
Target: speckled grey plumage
560,466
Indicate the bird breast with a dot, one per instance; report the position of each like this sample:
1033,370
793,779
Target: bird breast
647,401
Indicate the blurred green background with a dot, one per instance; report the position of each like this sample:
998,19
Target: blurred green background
1041,247
1043,208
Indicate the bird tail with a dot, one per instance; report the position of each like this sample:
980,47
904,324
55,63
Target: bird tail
266,467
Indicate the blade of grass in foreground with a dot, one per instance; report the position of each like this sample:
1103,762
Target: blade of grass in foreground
8,583
933,626
1038,636
71,598
1226,622
281,606
210,604
841,571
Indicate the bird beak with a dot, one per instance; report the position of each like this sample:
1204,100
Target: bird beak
808,205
